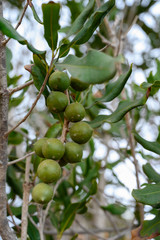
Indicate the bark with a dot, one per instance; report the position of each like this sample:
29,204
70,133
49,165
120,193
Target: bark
5,231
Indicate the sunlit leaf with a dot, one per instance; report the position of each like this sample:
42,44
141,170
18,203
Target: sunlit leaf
10,32
115,209
36,17
95,67
150,194
93,22
112,90
80,20
151,146
151,173
151,228
123,107
51,23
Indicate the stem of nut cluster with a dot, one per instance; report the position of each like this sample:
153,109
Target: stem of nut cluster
65,124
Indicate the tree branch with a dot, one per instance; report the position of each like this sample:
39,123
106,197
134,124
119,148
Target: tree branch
20,159
16,89
26,191
5,231
35,102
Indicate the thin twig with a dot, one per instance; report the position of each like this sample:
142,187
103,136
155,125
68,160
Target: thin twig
49,204
65,124
32,221
11,214
19,22
105,40
20,159
35,102
98,230
107,215
26,191
40,217
16,89
129,28
89,231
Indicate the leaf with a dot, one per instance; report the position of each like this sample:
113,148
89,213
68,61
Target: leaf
40,64
151,228
32,230
9,65
51,25
36,17
10,32
80,20
154,87
114,89
38,79
151,173
54,131
148,195
74,237
123,107
115,209
151,146
94,21
69,215
15,138
14,182
94,68
13,80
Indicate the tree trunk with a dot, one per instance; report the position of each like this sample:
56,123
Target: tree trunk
5,231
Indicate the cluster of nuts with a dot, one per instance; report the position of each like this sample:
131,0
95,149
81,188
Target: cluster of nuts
55,153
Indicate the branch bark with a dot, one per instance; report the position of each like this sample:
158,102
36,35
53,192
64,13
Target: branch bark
5,231
26,189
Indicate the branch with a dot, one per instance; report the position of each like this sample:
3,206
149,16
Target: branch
65,124
20,159
84,232
26,191
16,89
5,231
89,231
35,102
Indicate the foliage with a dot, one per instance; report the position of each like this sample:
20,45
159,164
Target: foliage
87,52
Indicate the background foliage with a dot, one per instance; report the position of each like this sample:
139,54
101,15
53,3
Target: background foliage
95,196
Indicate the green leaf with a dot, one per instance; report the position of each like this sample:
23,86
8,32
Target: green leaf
123,107
32,230
151,146
15,138
115,209
10,32
40,64
54,131
80,20
74,237
151,173
94,21
69,215
150,227
14,182
149,195
36,17
9,65
94,68
154,87
17,100
114,89
38,79
13,80
51,25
